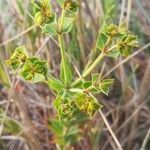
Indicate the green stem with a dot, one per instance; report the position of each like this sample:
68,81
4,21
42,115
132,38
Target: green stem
89,70
62,20
62,49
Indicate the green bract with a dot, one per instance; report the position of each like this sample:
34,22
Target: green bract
87,103
43,12
34,70
104,86
71,6
116,40
102,40
18,58
112,30
126,43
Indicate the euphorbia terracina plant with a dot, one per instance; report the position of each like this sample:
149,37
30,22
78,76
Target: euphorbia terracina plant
75,101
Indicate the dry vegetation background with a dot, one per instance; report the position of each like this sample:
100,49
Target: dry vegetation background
127,108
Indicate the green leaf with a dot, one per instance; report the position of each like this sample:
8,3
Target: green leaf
105,85
95,78
126,51
73,135
94,90
102,40
55,84
67,24
86,84
113,53
56,127
50,29
61,2
57,102
69,71
38,78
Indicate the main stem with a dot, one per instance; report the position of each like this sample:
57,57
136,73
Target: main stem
89,70
62,49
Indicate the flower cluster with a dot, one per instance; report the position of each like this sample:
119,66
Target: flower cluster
87,103
18,58
30,68
116,40
126,43
34,70
43,12
71,6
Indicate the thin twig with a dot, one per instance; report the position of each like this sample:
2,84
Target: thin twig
111,131
42,47
17,36
146,140
128,12
122,11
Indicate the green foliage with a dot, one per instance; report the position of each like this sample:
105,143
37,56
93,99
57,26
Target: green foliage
55,84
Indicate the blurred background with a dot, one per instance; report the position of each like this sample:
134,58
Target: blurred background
26,108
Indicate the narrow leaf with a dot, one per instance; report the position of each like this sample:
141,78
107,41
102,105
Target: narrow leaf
55,84
105,85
